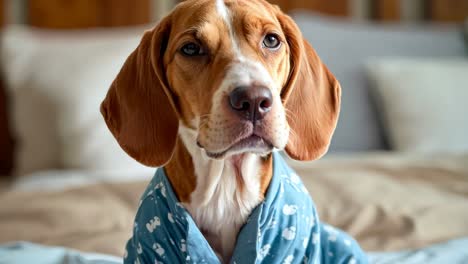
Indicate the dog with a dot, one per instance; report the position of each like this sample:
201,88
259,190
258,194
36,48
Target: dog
210,95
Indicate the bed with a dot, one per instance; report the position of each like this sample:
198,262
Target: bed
396,176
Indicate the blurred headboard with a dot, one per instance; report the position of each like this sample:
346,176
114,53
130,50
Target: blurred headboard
79,14
330,7
384,10
452,11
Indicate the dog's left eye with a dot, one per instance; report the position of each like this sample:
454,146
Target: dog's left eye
271,41
192,49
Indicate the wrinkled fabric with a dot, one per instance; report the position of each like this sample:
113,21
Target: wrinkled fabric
284,228
25,252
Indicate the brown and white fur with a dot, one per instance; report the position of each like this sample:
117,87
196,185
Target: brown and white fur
169,108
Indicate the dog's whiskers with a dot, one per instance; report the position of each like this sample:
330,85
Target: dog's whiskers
205,116
292,132
292,117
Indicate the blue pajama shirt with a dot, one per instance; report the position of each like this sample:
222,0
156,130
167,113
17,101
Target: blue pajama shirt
284,228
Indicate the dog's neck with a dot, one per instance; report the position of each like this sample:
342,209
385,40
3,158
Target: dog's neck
219,194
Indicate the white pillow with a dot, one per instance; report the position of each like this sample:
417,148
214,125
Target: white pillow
424,103
56,82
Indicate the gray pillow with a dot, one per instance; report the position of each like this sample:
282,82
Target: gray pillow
346,46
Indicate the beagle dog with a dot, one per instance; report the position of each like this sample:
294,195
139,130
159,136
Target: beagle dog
209,94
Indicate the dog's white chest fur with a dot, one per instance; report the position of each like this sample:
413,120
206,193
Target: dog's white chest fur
226,193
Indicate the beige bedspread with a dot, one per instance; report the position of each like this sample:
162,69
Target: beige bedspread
387,201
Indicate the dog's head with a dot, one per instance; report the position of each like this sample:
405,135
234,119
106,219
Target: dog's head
237,73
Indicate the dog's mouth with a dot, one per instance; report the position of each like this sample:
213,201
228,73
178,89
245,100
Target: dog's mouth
252,143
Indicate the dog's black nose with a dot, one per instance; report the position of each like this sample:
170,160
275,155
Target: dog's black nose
251,102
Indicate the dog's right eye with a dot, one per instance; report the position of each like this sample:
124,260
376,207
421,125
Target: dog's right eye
192,49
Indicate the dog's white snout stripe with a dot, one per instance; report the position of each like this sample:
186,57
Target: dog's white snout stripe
224,12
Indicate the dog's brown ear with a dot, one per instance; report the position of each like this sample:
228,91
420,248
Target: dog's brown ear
311,97
139,108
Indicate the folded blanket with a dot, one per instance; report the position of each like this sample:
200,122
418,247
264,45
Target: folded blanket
24,252
453,252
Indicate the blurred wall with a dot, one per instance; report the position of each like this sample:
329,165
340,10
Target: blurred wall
411,10
16,12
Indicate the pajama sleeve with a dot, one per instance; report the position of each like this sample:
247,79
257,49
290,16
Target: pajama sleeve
337,247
